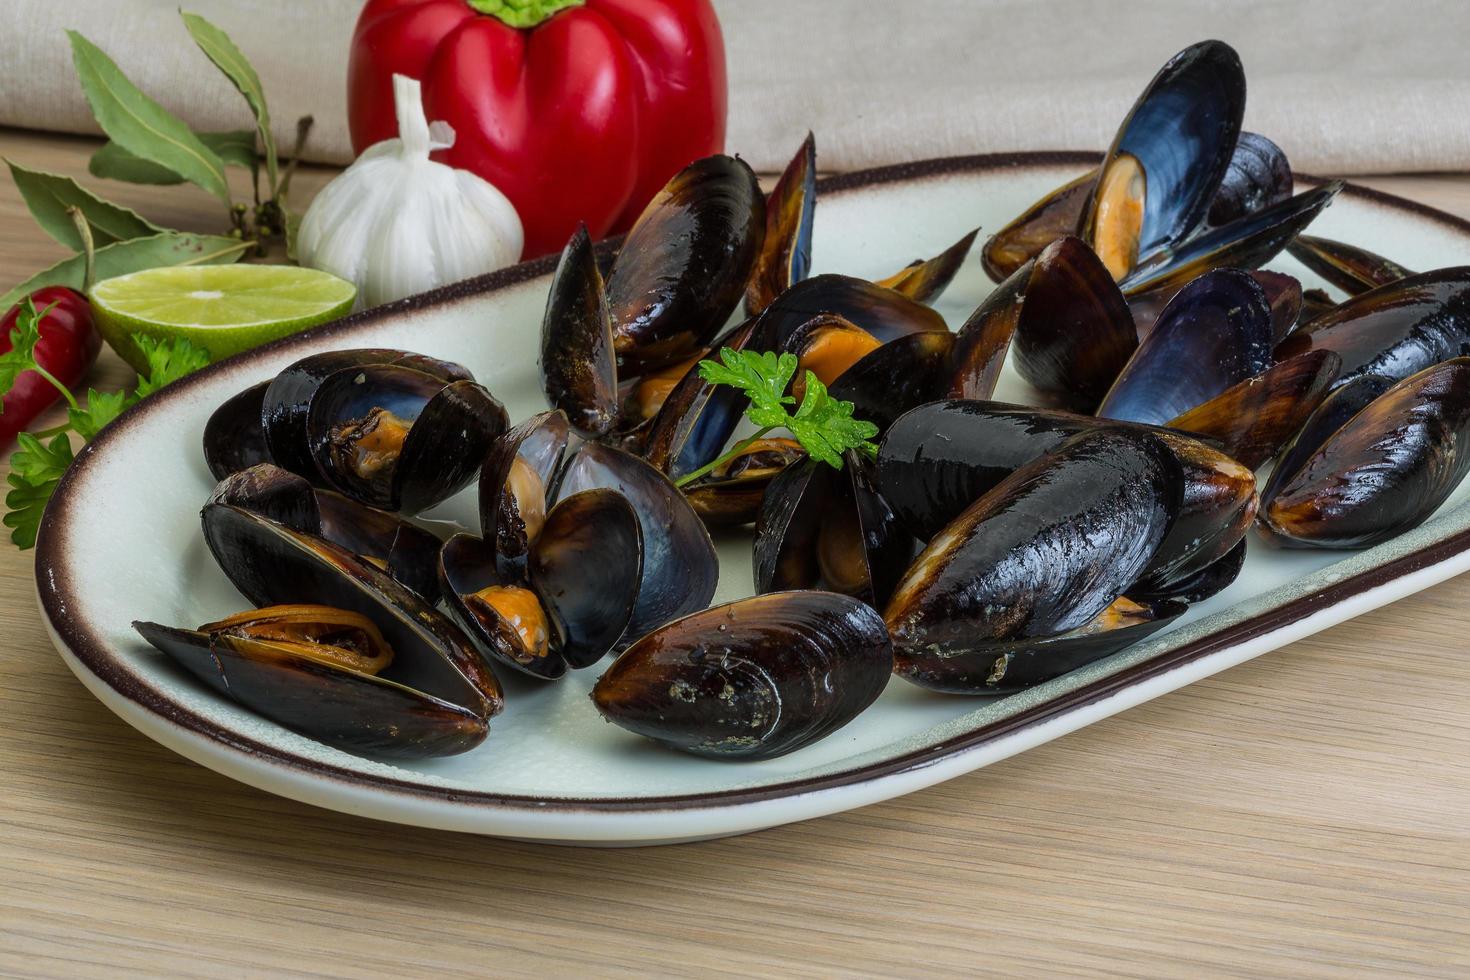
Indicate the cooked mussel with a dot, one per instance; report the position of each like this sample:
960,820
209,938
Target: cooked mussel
338,651
1050,552
578,367
1258,176
684,265
925,280
404,550
752,679
233,437
786,250
574,598
1394,331
1350,268
886,314
1384,470
731,494
517,487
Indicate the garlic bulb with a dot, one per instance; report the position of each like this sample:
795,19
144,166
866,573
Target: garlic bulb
397,223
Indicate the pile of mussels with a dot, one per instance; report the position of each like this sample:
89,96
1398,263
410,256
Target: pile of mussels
988,546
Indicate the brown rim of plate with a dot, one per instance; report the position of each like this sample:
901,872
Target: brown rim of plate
80,639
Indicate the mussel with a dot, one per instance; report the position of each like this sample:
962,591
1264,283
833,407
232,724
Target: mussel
337,651
234,439
786,250
731,494
1369,466
1348,267
1033,577
752,679
925,280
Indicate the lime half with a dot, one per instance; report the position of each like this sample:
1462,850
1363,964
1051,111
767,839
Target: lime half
223,309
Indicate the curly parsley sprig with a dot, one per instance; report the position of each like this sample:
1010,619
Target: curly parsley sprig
37,465
822,424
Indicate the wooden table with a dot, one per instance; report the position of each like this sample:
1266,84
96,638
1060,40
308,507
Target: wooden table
1303,813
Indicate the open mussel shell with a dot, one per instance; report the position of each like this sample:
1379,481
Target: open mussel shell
1215,333
1352,269
1243,244
1054,216
1253,419
576,599
361,713
752,679
517,486
732,493
396,438
925,280
233,437
1395,330
1258,176
1384,471
786,250
685,263
1075,331
981,344
680,569
1169,156
404,550
1044,552
895,377
1000,669
830,529
883,313
578,368
287,399
696,418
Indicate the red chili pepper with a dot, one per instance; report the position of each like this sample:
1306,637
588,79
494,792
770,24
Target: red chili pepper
578,110
68,345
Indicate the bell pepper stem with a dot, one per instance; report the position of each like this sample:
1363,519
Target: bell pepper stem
735,450
522,13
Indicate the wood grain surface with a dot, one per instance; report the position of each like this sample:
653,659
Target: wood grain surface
1304,814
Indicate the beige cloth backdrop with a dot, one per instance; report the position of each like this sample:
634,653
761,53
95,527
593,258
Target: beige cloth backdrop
1345,86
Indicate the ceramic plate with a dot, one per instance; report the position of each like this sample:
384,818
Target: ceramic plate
121,542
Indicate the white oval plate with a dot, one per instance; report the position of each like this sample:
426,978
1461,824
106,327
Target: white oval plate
121,542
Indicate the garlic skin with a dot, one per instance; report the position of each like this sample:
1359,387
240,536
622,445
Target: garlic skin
397,223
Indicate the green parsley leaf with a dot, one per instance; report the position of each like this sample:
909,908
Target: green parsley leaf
822,424
23,339
168,361
100,408
35,470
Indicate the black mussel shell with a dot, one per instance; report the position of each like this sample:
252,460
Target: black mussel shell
287,399
1352,269
361,713
982,342
999,669
830,529
1395,330
1075,331
680,569
902,373
1258,177
1054,216
1384,471
884,313
731,495
233,437
1331,413
1216,509
467,566
449,430
1181,134
1244,244
925,280
1253,419
752,679
1044,552
697,418
786,250
1283,293
1209,581
1215,333
578,368
684,264
518,486
404,550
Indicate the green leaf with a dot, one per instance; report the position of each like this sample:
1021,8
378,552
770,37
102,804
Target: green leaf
100,408
50,195
218,47
141,126
35,470
236,147
112,162
168,361
23,339
119,258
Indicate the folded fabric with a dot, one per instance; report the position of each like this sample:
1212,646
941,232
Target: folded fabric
1342,87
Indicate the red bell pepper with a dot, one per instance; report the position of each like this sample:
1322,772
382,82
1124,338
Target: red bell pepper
68,345
578,110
